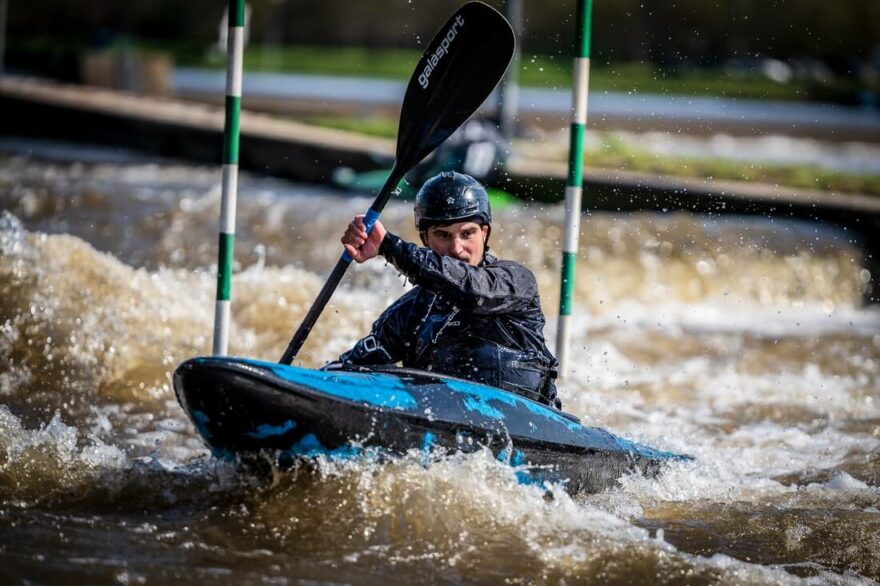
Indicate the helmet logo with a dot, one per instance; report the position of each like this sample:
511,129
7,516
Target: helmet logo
450,200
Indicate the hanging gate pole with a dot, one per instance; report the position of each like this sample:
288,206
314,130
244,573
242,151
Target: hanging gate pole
508,92
235,50
575,181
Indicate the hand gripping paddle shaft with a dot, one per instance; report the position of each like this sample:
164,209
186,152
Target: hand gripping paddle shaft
461,66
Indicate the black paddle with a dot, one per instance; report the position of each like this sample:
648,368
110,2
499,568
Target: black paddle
459,69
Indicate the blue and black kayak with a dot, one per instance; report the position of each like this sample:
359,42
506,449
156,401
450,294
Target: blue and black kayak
249,410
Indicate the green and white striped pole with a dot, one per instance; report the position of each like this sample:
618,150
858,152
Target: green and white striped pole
235,49
575,181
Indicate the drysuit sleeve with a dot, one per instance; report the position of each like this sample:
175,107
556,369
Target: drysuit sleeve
496,288
385,342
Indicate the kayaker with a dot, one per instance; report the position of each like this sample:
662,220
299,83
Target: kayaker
477,148
470,315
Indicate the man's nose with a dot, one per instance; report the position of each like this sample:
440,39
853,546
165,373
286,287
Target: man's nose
457,247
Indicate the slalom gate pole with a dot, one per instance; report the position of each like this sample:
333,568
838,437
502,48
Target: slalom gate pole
235,50
575,181
508,92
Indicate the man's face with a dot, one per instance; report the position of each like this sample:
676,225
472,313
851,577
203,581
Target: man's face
465,241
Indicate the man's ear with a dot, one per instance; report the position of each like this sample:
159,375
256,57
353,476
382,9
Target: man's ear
487,229
424,236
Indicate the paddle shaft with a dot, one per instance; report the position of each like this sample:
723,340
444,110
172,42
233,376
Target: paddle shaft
305,328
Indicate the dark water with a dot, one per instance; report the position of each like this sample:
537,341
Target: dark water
741,341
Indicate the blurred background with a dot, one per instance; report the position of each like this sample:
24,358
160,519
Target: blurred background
782,49
780,92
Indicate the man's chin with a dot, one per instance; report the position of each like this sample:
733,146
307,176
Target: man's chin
462,259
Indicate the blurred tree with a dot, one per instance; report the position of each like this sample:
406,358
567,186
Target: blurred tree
666,32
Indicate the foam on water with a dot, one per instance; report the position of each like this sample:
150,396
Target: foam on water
704,399
38,465
469,514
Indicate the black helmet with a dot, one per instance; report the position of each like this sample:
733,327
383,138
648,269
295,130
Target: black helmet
450,197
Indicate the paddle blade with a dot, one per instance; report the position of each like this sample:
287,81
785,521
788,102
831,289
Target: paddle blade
461,66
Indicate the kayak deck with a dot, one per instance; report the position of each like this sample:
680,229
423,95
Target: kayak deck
246,409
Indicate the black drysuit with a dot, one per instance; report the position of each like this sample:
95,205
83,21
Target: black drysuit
480,323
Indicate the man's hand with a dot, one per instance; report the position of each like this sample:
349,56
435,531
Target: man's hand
360,247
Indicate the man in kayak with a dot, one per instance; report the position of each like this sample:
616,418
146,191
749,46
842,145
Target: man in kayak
470,314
